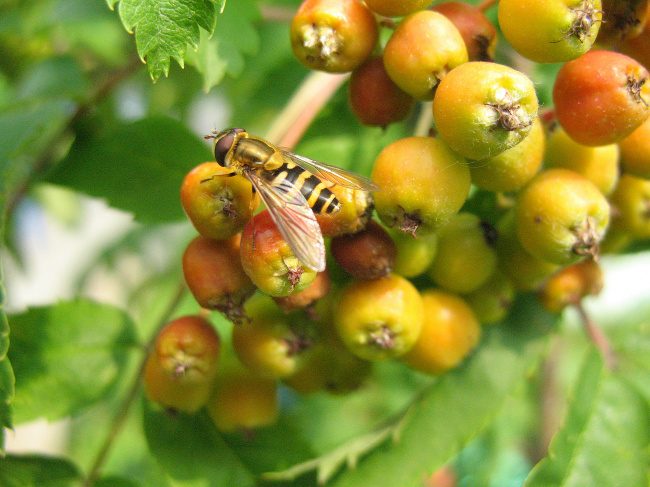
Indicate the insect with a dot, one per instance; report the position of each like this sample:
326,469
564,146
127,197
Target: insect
292,188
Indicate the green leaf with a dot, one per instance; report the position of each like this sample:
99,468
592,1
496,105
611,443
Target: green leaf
164,28
18,144
114,482
7,378
604,436
347,454
31,125
37,471
223,52
57,77
271,448
7,390
137,167
191,452
631,342
208,61
67,356
267,81
447,414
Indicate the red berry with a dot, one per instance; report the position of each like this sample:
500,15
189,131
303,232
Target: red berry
181,368
269,261
215,276
374,98
601,97
333,35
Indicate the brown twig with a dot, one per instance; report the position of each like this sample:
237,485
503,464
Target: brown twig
597,337
486,4
550,420
124,409
276,13
314,92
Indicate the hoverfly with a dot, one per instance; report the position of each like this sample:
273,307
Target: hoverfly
292,188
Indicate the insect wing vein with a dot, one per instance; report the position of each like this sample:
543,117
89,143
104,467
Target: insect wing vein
294,219
330,173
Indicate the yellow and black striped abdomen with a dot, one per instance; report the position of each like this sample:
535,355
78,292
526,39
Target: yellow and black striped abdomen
316,192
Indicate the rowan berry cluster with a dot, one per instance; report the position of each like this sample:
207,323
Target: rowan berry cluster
418,285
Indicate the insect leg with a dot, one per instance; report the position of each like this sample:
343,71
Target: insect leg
229,175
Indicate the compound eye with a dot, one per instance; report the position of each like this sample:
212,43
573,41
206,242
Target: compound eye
224,144
222,147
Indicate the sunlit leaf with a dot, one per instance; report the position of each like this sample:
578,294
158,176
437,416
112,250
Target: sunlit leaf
163,29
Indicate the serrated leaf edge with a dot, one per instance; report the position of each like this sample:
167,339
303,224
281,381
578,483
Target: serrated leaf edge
3,356
347,454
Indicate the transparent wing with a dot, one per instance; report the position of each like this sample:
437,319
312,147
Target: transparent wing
295,220
333,174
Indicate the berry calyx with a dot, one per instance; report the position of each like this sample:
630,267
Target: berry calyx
269,261
379,319
481,109
423,184
180,370
333,35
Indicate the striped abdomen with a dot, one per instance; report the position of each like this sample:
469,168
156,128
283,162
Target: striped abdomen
316,192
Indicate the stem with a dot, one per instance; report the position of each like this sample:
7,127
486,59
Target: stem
550,420
275,13
314,92
424,122
124,409
486,4
597,337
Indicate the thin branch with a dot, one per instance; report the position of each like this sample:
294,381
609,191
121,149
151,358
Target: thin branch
550,420
312,95
486,4
277,13
123,412
597,337
424,122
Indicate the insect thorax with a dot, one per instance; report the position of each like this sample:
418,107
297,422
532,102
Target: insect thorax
256,153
